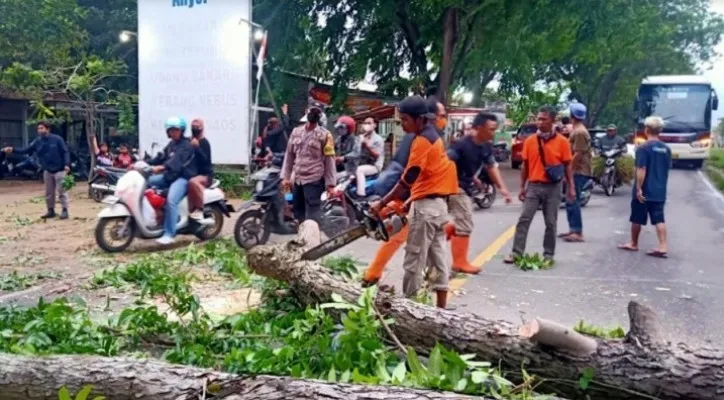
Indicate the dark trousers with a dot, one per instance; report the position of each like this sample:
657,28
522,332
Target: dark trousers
548,197
307,202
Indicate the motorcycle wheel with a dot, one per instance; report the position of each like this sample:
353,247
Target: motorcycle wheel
608,185
96,194
487,201
251,229
585,199
212,231
113,226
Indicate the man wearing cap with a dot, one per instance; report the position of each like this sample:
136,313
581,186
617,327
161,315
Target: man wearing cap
431,178
470,154
611,140
310,157
581,167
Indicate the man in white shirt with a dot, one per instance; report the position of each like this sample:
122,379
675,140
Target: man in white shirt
373,154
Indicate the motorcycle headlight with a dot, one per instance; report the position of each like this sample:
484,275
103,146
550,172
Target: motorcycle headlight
610,162
259,186
324,196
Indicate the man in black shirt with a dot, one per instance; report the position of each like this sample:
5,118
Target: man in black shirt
205,170
54,157
470,154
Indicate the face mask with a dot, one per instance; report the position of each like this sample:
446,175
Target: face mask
441,123
196,132
313,117
368,127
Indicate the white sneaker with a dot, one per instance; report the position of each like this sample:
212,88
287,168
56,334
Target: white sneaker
197,215
165,240
206,221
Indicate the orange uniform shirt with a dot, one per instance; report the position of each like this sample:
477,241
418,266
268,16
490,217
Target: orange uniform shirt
429,171
556,150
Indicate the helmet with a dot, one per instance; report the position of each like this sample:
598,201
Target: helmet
176,122
347,121
578,111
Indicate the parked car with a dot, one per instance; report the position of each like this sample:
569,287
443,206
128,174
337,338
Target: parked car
516,153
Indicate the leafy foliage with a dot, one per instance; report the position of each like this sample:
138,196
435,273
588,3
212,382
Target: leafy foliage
625,166
64,394
592,330
13,281
346,267
277,338
534,262
229,181
68,182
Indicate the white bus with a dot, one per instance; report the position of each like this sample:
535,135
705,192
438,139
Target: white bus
685,102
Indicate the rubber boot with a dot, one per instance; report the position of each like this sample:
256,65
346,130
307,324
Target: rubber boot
386,251
459,246
449,229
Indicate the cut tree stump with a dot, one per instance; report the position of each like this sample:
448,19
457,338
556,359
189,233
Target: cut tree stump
643,366
40,378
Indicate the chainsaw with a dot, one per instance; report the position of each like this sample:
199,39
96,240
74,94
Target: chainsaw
379,227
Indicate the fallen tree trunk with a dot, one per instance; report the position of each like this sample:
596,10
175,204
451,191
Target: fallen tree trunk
40,378
642,366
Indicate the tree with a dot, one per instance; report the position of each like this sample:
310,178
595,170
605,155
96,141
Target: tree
83,86
40,32
616,43
419,45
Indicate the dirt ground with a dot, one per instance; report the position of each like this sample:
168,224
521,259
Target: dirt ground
66,251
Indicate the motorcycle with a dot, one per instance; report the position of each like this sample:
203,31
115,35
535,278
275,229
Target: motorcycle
484,197
260,216
585,193
501,151
134,210
20,166
610,180
103,182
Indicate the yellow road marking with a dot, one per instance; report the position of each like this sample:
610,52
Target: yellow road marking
484,257
494,247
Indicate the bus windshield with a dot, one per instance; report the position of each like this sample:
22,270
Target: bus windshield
684,108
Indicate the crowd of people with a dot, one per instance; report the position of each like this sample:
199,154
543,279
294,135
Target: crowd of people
432,183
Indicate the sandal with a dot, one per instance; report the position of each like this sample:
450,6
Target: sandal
573,238
627,247
564,235
657,254
509,260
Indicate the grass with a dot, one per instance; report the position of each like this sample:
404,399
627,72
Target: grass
715,168
716,158
13,281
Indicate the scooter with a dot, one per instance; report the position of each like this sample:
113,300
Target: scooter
103,182
610,180
134,210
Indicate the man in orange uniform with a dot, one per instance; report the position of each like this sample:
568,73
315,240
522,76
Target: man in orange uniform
431,178
546,163
385,183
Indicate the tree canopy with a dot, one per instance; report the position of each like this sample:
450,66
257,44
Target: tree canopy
599,50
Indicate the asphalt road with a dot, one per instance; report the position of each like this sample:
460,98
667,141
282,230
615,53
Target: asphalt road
594,281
